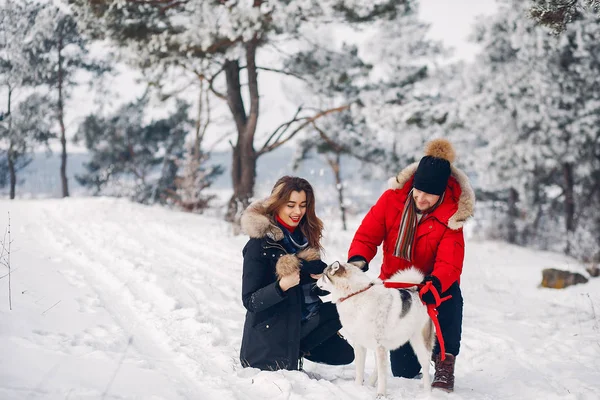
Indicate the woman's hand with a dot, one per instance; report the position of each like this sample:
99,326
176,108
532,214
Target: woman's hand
312,267
289,281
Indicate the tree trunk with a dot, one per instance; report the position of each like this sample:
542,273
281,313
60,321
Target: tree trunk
513,214
531,234
201,125
11,154
12,172
63,139
335,165
243,166
569,202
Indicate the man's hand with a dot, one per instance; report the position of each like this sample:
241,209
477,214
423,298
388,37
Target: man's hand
428,296
360,262
289,281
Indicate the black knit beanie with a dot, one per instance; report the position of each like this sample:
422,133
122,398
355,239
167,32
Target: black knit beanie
434,168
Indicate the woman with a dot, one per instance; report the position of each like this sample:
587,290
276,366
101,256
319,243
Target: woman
286,320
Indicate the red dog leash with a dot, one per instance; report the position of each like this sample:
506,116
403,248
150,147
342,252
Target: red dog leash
431,308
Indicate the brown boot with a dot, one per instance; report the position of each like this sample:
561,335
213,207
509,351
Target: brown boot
444,373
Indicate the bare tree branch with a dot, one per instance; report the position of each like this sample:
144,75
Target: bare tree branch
6,249
211,81
338,148
51,307
11,271
283,127
280,71
3,260
175,91
306,121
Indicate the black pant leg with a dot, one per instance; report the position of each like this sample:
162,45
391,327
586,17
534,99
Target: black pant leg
333,351
404,362
450,314
306,327
328,325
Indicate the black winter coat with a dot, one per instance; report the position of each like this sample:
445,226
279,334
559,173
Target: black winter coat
271,338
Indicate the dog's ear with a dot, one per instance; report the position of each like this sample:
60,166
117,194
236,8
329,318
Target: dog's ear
337,267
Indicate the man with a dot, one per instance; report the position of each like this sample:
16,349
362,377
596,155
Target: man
419,220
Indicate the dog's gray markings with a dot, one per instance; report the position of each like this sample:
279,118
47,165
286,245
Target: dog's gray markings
406,301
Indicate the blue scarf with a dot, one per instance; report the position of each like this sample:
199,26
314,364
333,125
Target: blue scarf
293,243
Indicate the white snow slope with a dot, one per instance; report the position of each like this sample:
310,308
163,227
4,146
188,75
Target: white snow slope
114,300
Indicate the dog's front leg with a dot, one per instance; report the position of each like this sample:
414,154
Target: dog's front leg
360,353
382,364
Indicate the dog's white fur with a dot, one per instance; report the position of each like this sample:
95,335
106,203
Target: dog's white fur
377,319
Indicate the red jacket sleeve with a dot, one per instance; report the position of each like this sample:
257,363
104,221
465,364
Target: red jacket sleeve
449,258
372,230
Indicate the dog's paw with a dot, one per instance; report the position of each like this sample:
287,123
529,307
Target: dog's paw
358,381
381,396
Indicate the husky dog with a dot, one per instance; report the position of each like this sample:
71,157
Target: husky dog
378,318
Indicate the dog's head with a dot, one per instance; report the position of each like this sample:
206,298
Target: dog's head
341,278
326,281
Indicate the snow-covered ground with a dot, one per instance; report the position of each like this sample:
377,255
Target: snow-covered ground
114,300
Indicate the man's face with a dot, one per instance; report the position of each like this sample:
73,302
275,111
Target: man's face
424,201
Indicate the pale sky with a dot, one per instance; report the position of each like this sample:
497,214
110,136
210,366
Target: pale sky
451,21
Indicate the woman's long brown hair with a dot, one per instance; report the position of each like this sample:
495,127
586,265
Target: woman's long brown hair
310,225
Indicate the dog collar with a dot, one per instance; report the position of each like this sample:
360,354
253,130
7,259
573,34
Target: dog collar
355,293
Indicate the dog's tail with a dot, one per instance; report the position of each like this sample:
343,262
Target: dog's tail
409,275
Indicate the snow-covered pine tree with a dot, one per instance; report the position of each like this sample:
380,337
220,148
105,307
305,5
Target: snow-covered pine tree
133,159
16,21
29,126
195,175
405,104
193,178
541,91
334,137
557,14
573,131
234,37
506,78
59,52
399,104
334,75
20,130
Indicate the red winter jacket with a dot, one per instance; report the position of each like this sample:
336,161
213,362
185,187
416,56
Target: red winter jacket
439,246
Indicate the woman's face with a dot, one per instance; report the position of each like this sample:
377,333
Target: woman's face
424,201
292,212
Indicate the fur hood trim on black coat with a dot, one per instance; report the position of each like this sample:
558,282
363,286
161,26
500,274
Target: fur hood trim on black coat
257,224
466,202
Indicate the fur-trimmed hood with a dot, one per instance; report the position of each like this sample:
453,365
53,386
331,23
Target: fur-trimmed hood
257,224
465,201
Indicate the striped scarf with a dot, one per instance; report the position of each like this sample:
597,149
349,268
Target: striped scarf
408,227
